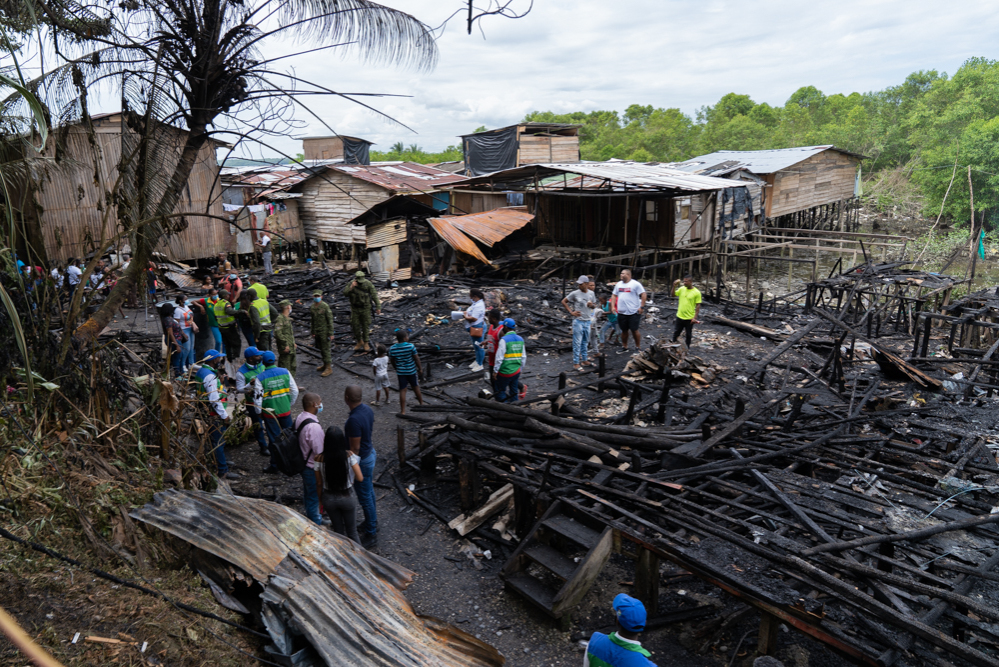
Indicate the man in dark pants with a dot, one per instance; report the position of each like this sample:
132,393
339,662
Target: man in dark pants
244,385
628,302
358,428
225,315
212,396
688,309
275,392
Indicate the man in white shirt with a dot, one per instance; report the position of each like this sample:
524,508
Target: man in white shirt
265,252
57,277
629,302
73,274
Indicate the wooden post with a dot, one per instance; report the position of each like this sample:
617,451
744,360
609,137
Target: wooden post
524,511
769,626
468,482
664,396
647,581
562,381
400,434
428,463
601,370
636,396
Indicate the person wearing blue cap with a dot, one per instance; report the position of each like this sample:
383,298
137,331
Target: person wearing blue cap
244,386
620,648
212,398
511,355
274,392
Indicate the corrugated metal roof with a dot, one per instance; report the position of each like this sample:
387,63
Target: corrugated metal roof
456,238
530,126
347,602
758,162
613,175
491,227
402,177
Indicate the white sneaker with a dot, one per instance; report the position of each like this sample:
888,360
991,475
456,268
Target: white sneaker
476,368
473,364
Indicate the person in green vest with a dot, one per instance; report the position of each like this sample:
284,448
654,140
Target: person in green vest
362,295
275,392
244,386
207,304
212,399
322,330
259,288
620,648
262,318
225,315
511,355
284,337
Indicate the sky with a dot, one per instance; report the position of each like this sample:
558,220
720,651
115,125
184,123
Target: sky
569,55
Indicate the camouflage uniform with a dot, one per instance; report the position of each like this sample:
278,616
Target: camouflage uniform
284,334
361,298
322,329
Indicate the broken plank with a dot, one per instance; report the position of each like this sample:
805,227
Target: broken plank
696,450
466,524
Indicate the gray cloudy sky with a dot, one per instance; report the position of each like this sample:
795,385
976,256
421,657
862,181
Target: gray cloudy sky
569,55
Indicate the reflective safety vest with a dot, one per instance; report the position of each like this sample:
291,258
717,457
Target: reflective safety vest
202,392
264,309
513,359
262,292
612,651
276,385
220,314
249,372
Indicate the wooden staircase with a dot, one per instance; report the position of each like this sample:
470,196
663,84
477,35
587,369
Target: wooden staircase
557,562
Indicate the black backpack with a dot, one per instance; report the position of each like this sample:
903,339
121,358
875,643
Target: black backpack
288,456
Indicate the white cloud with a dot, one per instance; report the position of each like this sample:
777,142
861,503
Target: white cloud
594,54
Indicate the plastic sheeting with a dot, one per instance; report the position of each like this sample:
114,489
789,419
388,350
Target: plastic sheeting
487,152
355,151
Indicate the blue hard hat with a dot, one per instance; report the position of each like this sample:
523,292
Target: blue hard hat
509,323
212,354
630,613
251,352
269,357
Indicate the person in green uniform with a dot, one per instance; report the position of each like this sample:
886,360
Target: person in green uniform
362,294
284,335
262,318
225,315
688,309
322,330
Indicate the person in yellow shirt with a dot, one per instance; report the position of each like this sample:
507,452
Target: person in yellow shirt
688,309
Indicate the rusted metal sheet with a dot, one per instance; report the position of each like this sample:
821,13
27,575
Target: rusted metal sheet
347,602
456,238
491,227
402,177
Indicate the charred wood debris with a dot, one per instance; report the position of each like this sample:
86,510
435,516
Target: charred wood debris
841,477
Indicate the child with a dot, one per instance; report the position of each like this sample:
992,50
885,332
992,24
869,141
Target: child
380,369
610,324
406,363
493,333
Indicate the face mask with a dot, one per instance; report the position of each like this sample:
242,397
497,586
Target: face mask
317,299
320,409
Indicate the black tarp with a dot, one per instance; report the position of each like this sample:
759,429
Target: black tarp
487,152
355,151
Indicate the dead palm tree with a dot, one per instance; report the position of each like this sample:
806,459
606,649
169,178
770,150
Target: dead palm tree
197,65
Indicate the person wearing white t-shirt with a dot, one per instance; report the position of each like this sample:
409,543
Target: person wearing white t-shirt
629,302
73,274
265,252
475,323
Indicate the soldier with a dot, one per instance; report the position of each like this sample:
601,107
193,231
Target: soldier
322,330
284,335
361,294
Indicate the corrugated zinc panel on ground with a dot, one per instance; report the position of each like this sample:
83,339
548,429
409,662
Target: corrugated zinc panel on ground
348,602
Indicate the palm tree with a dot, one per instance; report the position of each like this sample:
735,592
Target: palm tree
397,147
196,64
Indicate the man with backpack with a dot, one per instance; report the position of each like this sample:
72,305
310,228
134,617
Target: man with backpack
310,441
212,398
275,392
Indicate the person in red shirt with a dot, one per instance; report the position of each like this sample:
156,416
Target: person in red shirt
494,317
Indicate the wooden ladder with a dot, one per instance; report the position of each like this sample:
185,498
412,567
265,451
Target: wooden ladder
558,561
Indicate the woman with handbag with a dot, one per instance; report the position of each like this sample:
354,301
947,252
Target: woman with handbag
475,323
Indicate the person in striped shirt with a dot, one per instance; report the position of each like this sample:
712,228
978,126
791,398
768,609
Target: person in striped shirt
408,368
